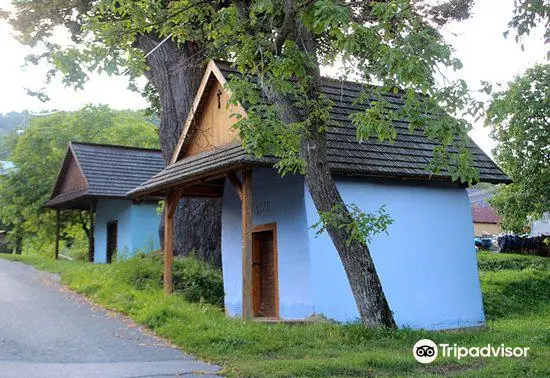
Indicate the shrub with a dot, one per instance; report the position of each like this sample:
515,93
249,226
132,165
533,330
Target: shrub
197,281
194,279
501,261
143,271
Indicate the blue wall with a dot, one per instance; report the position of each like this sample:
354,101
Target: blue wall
427,264
274,199
137,228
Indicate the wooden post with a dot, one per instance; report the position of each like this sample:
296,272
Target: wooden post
91,247
246,209
236,184
170,207
57,234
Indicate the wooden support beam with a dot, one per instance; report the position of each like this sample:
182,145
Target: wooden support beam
57,227
236,184
91,231
170,206
202,191
246,210
199,179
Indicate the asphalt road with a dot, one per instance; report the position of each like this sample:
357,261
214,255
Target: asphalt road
47,331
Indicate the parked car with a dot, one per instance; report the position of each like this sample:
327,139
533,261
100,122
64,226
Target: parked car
484,243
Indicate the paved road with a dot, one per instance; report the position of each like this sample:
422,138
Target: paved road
47,331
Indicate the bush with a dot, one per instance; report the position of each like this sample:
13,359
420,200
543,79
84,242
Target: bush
194,279
500,261
197,281
143,271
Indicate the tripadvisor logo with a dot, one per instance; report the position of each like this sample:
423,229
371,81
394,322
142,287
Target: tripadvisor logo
426,351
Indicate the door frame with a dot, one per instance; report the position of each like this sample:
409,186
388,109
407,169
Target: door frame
108,259
272,227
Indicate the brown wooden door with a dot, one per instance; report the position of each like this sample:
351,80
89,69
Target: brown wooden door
265,297
112,234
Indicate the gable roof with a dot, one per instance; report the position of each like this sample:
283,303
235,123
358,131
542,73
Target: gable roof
482,211
109,171
484,214
406,157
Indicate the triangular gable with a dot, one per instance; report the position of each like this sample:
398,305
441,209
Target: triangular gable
71,177
209,124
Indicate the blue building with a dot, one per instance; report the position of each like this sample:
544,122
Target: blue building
274,264
95,178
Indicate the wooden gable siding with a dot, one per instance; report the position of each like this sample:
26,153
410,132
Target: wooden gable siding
73,179
214,126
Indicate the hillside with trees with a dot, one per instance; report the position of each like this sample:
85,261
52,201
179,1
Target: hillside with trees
10,122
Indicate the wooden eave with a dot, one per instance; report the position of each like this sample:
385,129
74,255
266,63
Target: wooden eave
77,199
62,171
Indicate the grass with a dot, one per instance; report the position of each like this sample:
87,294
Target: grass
516,293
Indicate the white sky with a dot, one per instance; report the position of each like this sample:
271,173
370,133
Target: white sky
479,43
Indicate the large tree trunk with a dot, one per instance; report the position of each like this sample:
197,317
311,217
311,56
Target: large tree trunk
356,259
176,72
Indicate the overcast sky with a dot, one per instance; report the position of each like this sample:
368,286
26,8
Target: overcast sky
479,43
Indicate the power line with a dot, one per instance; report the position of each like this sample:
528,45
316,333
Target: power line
54,112
157,46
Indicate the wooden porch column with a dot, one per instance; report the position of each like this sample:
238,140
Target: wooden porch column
170,206
246,209
57,234
91,232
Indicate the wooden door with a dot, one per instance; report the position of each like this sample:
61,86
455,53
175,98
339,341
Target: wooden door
112,234
265,292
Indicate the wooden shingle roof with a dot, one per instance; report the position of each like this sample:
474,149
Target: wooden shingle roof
406,157
90,171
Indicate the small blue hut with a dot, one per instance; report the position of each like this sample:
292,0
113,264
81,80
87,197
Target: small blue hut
95,178
275,267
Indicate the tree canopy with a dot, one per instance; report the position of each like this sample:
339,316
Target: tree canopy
37,153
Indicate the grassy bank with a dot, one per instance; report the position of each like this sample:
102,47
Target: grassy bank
516,297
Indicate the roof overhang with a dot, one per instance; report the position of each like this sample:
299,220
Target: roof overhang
83,201
200,175
78,200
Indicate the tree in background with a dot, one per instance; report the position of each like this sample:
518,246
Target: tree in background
114,37
520,118
37,153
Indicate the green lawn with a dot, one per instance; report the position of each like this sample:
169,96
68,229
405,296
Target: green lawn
516,291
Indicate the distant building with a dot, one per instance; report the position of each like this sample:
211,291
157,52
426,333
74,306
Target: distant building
486,220
95,178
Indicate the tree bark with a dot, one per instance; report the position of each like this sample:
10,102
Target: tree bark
176,72
19,243
356,259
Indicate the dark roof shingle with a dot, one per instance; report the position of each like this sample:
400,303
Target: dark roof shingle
114,170
110,171
406,157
